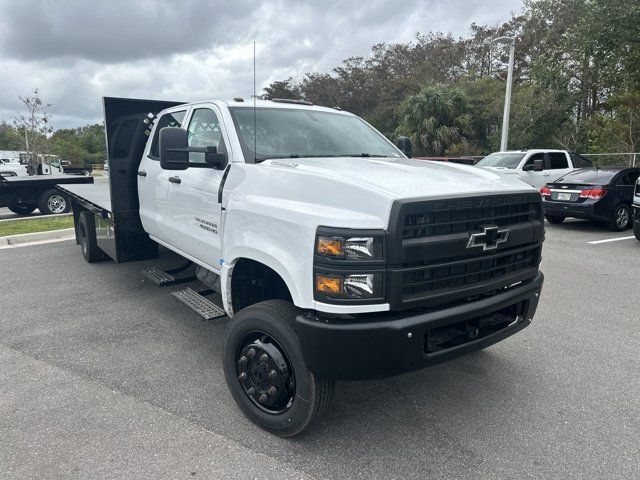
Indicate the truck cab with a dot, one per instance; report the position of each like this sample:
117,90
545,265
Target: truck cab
335,255
535,167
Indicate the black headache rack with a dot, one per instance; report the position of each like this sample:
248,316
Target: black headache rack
118,227
432,262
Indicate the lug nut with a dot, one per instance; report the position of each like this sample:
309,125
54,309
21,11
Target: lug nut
272,374
272,391
263,398
243,360
251,353
243,376
264,358
251,391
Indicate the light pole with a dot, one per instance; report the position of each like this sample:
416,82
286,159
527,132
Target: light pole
507,96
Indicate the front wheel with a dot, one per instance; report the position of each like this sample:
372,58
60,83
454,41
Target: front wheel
266,373
636,229
620,219
556,219
53,202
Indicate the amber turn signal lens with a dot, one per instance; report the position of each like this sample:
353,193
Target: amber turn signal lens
328,285
333,247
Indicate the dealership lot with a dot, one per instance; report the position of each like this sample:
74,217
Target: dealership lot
104,374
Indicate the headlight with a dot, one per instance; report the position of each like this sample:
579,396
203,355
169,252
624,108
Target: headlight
354,285
350,248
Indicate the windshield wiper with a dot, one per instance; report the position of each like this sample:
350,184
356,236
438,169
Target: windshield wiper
364,154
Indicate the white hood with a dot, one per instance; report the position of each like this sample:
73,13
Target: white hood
402,177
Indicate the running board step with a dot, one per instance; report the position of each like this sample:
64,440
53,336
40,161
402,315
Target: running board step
157,276
163,278
196,302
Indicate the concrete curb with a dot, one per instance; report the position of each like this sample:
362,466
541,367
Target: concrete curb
24,239
35,217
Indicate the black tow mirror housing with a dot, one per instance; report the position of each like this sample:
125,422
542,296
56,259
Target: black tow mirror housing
404,144
174,148
213,159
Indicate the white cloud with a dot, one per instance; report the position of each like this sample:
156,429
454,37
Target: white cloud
78,51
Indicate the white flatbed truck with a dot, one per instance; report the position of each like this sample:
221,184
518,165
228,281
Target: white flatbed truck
336,256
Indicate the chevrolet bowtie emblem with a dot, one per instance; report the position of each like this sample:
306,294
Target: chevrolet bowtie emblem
489,238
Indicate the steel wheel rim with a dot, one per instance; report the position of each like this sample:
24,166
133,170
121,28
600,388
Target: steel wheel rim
265,373
56,203
622,217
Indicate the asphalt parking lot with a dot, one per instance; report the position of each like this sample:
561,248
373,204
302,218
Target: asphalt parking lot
105,375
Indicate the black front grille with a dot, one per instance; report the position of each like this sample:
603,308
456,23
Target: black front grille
433,223
431,262
463,273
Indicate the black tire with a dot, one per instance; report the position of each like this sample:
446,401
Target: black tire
620,219
301,398
555,219
52,202
636,229
87,235
23,209
86,173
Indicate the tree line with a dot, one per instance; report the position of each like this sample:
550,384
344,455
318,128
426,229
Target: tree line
31,132
576,83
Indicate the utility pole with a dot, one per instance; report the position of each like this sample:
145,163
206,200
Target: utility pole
507,96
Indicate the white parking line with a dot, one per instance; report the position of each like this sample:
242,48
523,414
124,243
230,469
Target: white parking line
596,242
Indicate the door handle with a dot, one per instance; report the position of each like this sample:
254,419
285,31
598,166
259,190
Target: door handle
142,173
175,179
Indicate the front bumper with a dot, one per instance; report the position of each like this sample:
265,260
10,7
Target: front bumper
389,344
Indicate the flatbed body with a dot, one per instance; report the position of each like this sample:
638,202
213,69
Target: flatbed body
42,180
23,194
94,196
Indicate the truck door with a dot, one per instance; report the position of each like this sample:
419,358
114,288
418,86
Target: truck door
193,193
533,178
153,183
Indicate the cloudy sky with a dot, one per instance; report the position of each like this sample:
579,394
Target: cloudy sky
76,51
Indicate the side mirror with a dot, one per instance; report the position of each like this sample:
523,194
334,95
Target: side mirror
214,159
404,144
538,165
174,149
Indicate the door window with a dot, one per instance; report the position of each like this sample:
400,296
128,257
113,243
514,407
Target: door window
204,131
533,158
557,160
173,119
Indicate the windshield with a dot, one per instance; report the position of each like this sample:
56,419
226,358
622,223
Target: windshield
299,133
498,159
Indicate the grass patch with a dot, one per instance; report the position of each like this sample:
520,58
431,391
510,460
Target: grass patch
35,225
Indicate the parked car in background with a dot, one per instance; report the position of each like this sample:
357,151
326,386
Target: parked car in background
599,194
636,210
535,167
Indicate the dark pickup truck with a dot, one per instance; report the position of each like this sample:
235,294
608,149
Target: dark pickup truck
22,195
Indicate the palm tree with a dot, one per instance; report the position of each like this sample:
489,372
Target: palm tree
435,119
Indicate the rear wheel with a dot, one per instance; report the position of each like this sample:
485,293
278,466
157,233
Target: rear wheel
53,202
87,233
620,219
23,209
266,373
554,218
636,229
